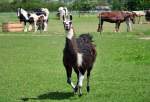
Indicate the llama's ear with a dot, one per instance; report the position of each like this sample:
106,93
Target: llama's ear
70,17
63,17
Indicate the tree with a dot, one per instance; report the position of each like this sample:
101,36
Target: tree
138,4
116,5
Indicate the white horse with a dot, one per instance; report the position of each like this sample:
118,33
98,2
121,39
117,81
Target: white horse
46,16
130,20
63,11
46,11
23,16
139,14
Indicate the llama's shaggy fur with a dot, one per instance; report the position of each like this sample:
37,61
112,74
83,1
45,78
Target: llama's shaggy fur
79,54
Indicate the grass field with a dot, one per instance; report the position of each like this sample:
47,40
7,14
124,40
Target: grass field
31,68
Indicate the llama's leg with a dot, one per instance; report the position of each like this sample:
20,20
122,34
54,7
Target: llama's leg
80,81
69,72
76,87
88,81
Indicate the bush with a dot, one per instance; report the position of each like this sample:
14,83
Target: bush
83,6
11,7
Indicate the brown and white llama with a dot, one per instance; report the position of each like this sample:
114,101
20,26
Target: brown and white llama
79,54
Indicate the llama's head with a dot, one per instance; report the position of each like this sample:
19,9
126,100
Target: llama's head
67,21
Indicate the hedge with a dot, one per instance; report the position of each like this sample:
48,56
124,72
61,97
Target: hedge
11,7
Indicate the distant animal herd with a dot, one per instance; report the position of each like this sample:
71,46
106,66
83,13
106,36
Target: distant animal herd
38,18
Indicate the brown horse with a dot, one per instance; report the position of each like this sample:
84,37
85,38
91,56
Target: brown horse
116,17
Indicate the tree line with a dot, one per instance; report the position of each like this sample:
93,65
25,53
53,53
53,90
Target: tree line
83,5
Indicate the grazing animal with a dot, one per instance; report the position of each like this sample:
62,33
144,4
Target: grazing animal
147,15
79,54
23,16
39,22
116,17
33,18
36,17
139,14
62,11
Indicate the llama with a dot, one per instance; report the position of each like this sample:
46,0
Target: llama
79,54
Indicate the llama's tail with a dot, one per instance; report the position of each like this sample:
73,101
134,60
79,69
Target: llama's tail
86,38
86,46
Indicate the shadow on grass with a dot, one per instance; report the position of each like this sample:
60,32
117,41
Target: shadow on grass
51,96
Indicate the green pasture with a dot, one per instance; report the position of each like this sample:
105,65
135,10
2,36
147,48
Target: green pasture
31,68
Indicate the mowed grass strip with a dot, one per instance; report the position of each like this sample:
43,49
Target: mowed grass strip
31,67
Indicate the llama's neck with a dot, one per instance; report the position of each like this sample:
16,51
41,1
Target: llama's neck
70,34
72,48
71,43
